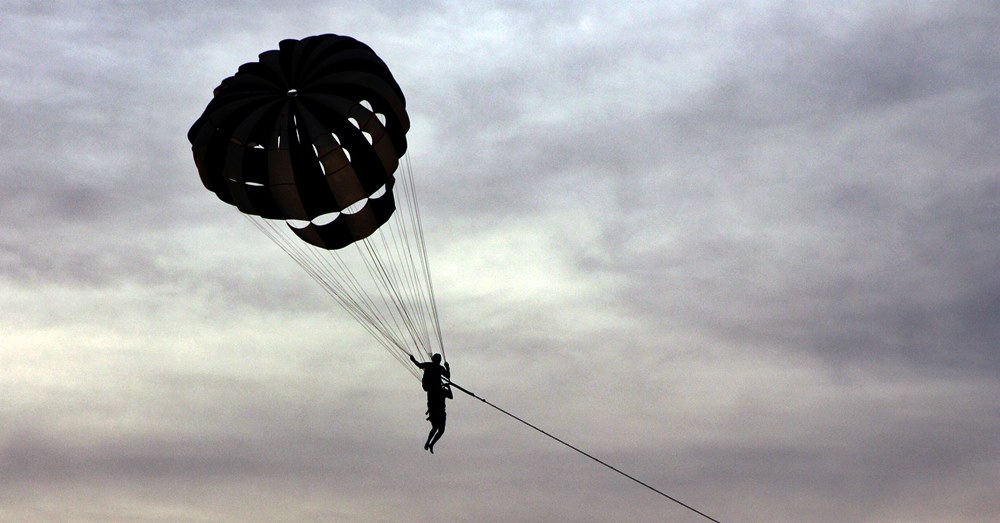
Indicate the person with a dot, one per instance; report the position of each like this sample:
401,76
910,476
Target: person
437,393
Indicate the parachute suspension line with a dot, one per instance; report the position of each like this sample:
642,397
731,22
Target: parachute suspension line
350,294
389,330
351,280
386,303
345,288
411,236
400,237
550,436
283,238
382,275
403,249
339,283
404,272
410,286
411,193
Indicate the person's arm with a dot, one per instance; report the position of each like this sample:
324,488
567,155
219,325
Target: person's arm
420,365
447,370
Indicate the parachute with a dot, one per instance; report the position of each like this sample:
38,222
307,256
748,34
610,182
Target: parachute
307,143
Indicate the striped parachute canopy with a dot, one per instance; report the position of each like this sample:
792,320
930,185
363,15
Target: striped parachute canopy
310,133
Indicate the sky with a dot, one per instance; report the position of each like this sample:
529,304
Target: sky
743,251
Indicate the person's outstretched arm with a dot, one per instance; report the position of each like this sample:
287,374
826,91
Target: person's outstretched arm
417,363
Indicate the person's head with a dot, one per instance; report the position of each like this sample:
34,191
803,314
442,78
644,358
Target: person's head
436,358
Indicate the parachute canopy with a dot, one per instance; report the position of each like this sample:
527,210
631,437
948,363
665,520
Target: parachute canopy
311,132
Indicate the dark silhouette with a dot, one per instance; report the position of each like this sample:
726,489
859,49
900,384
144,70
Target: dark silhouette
277,137
437,393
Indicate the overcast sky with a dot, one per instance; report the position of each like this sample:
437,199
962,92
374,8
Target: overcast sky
748,254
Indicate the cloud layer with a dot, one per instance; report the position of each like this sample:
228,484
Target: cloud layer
747,254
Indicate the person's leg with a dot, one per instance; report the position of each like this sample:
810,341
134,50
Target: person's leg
440,432
430,436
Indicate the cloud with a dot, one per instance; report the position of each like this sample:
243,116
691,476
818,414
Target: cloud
842,194
747,253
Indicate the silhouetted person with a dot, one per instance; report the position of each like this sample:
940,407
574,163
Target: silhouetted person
437,393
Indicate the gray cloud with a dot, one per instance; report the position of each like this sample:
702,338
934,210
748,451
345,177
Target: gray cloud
745,253
879,213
